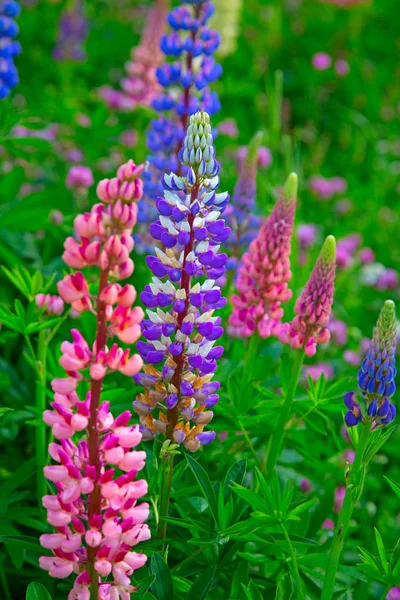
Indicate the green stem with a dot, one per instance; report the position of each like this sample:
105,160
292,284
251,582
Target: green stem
295,568
250,444
385,592
353,492
166,483
40,432
276,439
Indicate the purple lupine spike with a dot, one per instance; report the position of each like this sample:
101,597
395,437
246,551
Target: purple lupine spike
9,48
240,215
376,378
185,89
264,274
313,308
181,330
72,35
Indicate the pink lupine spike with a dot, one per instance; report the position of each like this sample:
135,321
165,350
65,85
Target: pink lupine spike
264,273
87,507
313,307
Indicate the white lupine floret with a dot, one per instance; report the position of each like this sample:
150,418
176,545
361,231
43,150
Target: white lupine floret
195,289
202,246
184,226
154,317
204,350
207,316
180,337
171,198
191,257
213,216
167,288
189,317
198,222
155,287
168,224
180,294
162,256
158,345
166,317
208,285
192,349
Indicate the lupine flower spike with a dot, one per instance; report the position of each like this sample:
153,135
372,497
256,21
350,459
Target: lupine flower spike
140,86
376,378
180,328
240,214
9,48
96,514
227,21
264,274
185,89
72,34
313,308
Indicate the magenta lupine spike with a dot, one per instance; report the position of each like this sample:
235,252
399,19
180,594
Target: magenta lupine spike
264,274
313,308
95,512
141,86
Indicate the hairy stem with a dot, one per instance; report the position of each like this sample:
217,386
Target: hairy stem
93,433
276,439
295,568
166,483
353,492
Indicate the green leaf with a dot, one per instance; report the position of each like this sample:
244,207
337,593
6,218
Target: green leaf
381,550
202,585
395,486
235,475
16,552
240,575
284,589
255,501
37,591
21,475
255,592
144,585
163,586
302,507
205,484
4,409
377,440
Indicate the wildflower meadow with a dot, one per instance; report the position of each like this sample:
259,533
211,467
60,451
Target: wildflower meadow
199,255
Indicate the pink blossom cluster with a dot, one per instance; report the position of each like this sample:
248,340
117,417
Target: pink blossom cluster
264,156
264,273
95,510
324,188
321,61
53,305
313,308
79,177
140,87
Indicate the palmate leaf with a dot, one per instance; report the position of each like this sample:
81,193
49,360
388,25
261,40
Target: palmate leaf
377,439
381,550
395,486
235,474
37,591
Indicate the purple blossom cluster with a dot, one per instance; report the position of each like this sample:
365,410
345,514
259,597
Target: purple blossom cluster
185,80
181,330
9,48
72,34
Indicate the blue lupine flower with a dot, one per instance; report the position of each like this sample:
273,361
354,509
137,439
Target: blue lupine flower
376,378
9,48
185,80
180,331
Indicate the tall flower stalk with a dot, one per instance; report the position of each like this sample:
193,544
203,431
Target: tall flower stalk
185,78
376,381
96,514
140,85
308,328
264,273
180,329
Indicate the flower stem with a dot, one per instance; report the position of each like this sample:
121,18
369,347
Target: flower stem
166,483
40,432
295,568
93,433
353,492
276,439
250,444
